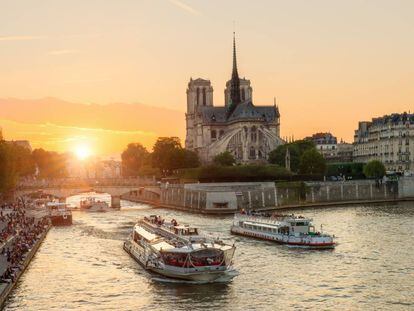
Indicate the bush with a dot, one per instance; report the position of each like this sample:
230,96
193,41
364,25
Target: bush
224,159
353,170
312,162
374,169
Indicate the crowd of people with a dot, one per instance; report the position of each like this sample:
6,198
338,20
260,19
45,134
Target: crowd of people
18,235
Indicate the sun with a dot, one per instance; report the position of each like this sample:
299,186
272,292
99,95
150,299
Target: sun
82,152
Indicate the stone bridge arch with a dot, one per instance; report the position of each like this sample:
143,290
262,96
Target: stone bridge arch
114,191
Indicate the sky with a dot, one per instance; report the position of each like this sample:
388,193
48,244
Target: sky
329,64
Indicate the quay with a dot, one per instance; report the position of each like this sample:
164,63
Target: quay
6,287
227,198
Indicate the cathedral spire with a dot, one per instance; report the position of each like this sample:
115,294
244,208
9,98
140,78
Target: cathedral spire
235,81
234,74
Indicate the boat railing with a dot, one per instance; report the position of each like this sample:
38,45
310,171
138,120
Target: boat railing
168,229
268,220
256,219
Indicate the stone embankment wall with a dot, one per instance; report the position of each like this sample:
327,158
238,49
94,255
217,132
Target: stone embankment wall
6,288
228,197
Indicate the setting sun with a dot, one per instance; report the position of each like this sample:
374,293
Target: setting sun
82,152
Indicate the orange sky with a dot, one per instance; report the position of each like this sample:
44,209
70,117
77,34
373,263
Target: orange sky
329,63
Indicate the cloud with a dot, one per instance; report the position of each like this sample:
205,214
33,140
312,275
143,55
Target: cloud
184,7
21,38
63,52
85,129
86,81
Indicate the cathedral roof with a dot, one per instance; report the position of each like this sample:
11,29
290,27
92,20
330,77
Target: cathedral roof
247,110
243,112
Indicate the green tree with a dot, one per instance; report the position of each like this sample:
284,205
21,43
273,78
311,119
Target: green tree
189,159
374,169
312,163
164,154
134,158
224,159
168,155
296,150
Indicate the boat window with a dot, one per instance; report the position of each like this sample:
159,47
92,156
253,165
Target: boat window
220,205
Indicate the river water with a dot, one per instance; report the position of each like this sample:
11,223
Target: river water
84,267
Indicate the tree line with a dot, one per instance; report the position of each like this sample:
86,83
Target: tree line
18,162
167,156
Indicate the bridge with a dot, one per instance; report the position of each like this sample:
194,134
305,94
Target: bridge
64,188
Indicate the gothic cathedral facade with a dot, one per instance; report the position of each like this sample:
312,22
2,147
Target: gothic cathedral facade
247,131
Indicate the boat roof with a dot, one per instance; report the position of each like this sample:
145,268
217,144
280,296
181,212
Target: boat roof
261,224
145,234
162,245
51,204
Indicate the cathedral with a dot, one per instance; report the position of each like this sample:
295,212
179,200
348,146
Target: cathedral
247,131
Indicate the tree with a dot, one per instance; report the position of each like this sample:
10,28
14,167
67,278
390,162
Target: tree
134,158
24,162
168,155
190,159
224,159
8,174
50,164
374,169
312,163
296,150
164,154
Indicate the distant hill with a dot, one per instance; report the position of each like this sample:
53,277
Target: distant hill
116,116
59,125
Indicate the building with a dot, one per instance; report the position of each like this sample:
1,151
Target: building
344,153
247,131
389,139
325,143
332,151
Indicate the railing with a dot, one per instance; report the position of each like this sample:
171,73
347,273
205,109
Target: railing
74,182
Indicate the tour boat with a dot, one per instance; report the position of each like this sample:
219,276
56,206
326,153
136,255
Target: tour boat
59,214
92,205
284,229
179,251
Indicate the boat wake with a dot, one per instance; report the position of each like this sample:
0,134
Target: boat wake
101,234
225,278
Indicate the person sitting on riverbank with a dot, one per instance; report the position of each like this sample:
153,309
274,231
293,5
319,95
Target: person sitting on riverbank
25,232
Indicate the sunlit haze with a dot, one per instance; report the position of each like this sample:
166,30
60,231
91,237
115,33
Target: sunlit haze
114,71
82,152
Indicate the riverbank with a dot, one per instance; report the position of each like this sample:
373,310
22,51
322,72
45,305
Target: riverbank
7,288
272,208
228,198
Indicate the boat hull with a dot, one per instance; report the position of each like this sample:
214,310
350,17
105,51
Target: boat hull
140,256
286,240
61,220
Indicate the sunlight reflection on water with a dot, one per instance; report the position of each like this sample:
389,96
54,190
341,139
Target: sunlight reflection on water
84,266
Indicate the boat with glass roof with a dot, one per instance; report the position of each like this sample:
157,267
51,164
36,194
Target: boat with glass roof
179,251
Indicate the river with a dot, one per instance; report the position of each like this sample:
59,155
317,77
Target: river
83,267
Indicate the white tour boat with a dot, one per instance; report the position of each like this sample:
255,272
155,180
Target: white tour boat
179,251
283,229
92,205
59,214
